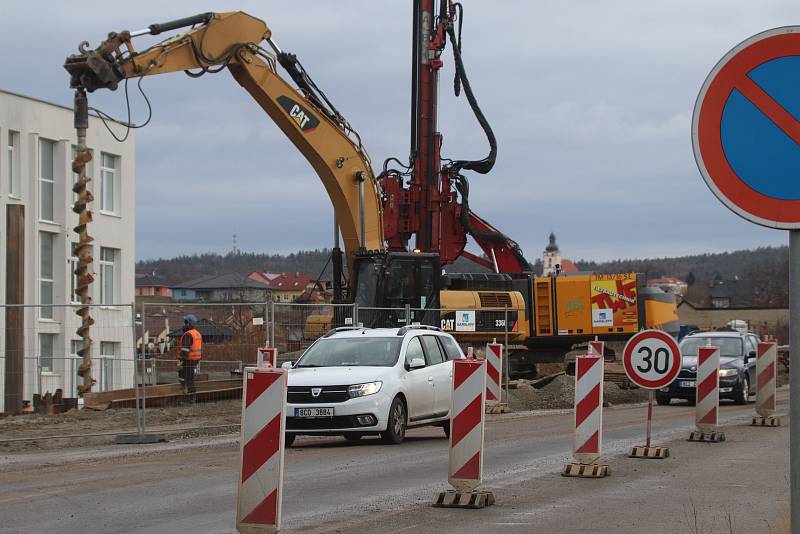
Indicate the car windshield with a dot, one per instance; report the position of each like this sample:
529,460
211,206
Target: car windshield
352,352
729,347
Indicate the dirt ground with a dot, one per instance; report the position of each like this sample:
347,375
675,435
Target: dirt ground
173,420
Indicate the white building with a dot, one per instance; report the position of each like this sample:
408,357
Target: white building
37,140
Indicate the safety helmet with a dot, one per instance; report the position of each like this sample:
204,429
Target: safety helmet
190,319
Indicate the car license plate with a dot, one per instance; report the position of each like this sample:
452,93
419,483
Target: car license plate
313,412
686,383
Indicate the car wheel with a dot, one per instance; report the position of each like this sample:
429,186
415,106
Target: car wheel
396,426
446,428
353,436
288,439
663,400
743,394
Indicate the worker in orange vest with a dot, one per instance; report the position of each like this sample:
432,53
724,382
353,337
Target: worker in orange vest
190,350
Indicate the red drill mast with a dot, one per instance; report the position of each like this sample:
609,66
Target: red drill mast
427,204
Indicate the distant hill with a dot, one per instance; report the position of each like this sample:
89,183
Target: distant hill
767,267
184,268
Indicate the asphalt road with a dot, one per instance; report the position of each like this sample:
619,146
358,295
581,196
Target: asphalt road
332,485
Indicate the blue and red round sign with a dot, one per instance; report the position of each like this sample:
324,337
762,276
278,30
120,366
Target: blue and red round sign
746,129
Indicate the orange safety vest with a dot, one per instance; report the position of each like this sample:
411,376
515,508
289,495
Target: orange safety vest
195,350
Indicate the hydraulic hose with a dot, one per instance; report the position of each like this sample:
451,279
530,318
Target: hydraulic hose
481,166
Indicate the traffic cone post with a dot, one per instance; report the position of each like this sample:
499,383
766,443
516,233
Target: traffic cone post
765,385
465,472
258,500
588,433
494,367
707,396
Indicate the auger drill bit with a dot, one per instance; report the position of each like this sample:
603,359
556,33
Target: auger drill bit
83,248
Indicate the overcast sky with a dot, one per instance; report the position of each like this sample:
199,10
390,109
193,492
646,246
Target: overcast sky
591,103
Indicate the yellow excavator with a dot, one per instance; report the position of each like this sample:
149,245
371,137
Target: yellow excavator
377,215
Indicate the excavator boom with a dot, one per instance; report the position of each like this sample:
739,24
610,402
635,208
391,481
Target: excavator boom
234,40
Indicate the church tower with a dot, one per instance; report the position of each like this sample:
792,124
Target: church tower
552,257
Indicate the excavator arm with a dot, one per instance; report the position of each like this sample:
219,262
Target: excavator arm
234,40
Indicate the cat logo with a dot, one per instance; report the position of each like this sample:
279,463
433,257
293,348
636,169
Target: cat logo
305,120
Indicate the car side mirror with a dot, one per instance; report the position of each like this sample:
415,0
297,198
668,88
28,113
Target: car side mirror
416,363
286,365
750,355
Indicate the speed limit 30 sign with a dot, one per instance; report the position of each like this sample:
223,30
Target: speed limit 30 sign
652,359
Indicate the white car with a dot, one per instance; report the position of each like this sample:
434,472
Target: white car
355,381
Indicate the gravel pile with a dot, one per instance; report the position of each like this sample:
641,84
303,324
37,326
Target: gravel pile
560,394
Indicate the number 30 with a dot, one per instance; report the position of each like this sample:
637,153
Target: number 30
660,365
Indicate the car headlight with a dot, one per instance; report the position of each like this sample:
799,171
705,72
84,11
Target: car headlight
360,390
727,372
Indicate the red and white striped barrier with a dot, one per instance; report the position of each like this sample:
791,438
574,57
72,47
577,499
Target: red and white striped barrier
258,502
765,378
494,365
588,435
466,424
267,357
707,389
597,348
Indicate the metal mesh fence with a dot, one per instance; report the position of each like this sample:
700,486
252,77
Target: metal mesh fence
296,326
39,363
140,386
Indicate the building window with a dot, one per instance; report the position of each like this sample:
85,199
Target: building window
107,275
11,163
73,264
46,179
46,240
108,182
108,348
75,345
46,344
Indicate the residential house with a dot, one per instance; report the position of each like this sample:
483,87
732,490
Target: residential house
285,287
231,287
732,294
153,286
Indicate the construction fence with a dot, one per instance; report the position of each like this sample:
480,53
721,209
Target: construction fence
139,385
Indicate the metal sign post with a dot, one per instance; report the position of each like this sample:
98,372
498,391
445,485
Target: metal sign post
794,375
746,140
650,396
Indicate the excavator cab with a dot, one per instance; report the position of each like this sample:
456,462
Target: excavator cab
395,288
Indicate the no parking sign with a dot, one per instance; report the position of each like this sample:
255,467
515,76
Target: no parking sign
746,129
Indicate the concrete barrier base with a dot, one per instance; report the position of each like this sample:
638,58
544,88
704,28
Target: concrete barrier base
649,452
139,439
766,421
464,499
707,437
586,470
499,407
